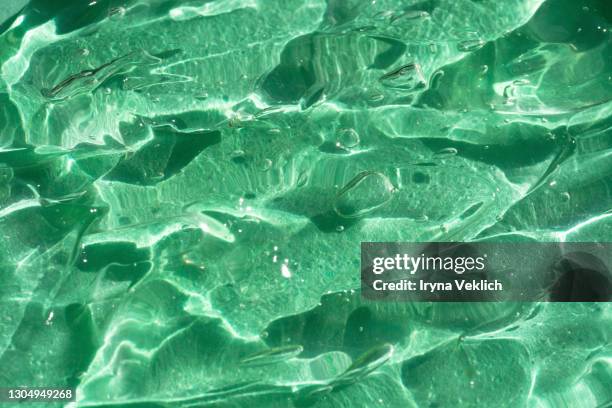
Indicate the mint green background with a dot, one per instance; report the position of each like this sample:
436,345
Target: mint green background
184,186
